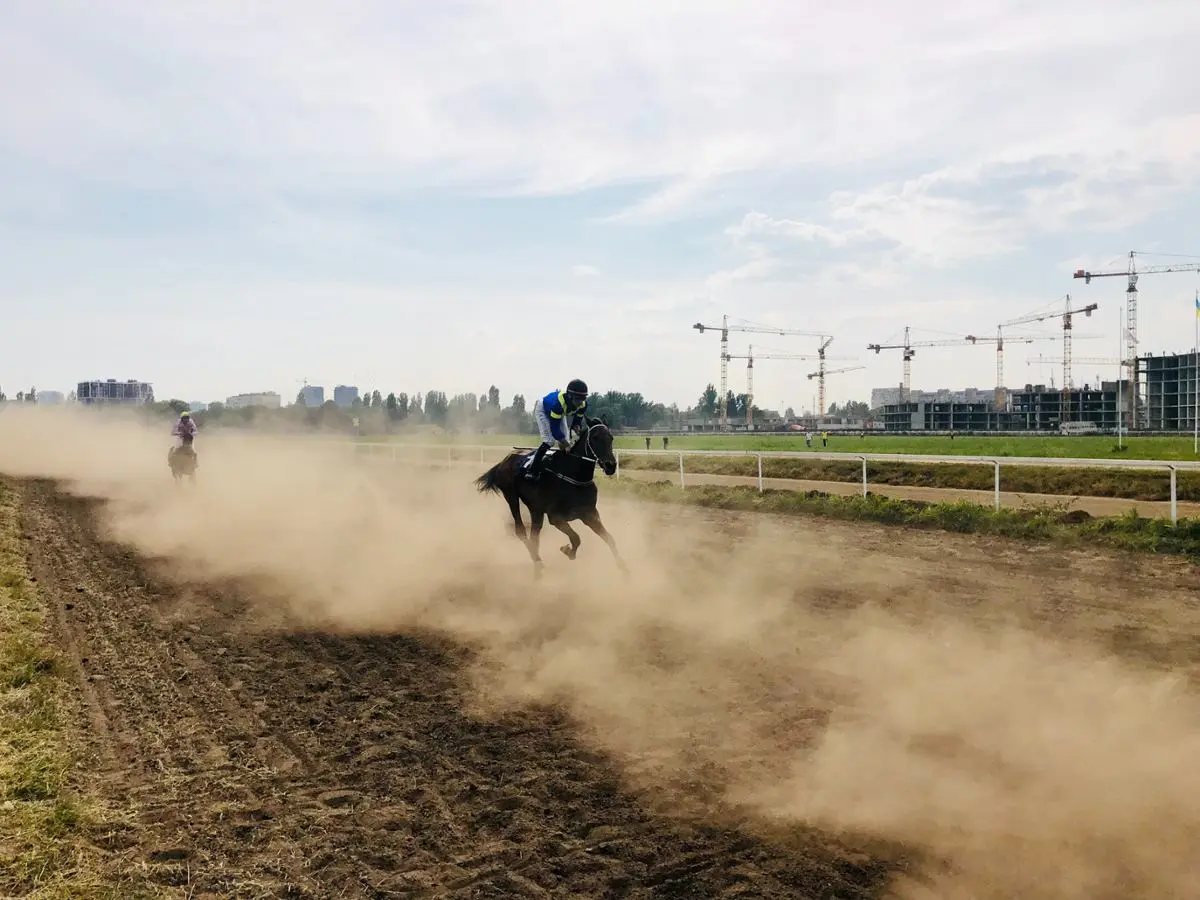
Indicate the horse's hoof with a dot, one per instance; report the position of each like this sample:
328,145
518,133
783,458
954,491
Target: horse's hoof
567,551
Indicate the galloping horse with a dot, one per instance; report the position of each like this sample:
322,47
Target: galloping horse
565,492
182,460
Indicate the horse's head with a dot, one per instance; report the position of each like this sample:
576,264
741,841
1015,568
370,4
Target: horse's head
598,441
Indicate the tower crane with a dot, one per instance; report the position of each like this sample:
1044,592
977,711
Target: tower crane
1131,316
909,348
750,356
1065,315
820,374
725,328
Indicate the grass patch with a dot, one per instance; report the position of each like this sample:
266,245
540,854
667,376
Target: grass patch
1127,532
1076,446
45,828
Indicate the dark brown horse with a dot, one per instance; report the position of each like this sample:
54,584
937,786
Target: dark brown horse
565,492
182,461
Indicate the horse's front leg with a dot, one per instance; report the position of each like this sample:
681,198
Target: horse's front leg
592,520
571,549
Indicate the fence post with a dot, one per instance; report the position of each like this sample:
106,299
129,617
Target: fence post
864,462
681,484
996,463
760,485
1174,495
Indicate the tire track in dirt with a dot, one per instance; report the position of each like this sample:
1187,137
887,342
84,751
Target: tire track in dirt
263,761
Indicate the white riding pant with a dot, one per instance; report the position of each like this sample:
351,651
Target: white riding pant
543,426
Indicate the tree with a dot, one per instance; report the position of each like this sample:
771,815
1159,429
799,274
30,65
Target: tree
376,400
436,406
856,409
708,401
493,396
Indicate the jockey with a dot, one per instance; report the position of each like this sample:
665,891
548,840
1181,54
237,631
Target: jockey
185,426
558,414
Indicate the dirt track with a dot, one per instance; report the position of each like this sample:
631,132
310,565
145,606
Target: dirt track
262,763
263,760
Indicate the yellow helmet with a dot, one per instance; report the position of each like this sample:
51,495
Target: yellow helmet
185,415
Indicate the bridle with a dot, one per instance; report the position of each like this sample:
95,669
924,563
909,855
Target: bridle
592,456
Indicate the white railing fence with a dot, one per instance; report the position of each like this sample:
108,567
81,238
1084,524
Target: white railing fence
460,454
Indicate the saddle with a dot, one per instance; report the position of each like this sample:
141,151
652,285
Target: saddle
563,466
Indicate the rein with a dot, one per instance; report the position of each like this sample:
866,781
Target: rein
587,442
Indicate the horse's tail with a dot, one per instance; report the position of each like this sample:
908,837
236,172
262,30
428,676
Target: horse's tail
489,480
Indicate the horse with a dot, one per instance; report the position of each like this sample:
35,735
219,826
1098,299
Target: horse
565,492
182,460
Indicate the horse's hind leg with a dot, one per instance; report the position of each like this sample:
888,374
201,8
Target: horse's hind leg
514,506
569,550
592,520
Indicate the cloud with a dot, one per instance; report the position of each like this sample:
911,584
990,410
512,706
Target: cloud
957,214
757,225
851,162
585,271
531,99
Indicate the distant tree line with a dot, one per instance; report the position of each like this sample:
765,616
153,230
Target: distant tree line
377,413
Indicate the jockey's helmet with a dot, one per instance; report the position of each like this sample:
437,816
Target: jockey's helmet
577,391
185,415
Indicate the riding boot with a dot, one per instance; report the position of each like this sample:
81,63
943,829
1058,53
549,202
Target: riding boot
534,472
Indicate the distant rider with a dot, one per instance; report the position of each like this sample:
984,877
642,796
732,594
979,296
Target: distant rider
558,414
184,427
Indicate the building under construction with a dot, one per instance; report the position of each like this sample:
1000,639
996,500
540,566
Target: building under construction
1036,408
1168,391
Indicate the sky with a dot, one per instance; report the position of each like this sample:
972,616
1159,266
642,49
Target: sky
228,196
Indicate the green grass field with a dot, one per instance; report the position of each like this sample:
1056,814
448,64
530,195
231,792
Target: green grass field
1081,447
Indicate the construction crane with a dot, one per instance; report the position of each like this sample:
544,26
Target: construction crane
820,374
909,348
725,328
1066,316
750,356
1131,316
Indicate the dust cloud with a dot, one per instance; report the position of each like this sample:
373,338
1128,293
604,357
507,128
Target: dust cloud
1011,765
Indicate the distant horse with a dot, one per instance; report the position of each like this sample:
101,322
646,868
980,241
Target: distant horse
565,492
182,460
